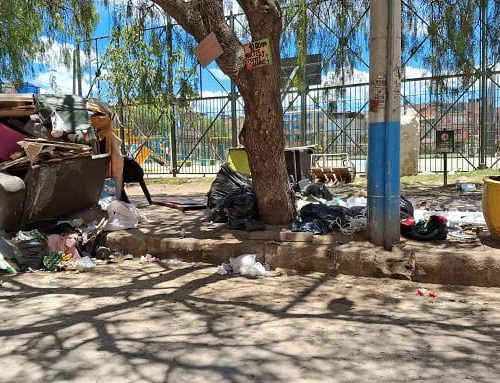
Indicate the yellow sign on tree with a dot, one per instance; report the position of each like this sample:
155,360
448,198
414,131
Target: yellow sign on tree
257,54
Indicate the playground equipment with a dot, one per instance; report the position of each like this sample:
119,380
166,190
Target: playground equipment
144,153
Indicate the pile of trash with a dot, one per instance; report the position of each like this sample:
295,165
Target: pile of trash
55,152
319,212
68,244
29,251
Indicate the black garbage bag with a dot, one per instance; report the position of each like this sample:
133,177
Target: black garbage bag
240,207
317,189
312,225
31,248
405,208
226,182
331,217
232,200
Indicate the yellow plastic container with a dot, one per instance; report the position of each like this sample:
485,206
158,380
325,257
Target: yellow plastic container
491,205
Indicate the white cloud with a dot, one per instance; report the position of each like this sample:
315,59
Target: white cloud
211,93
412,72
56,77
357,77
219,74
58,80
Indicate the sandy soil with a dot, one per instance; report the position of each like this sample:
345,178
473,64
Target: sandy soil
130,322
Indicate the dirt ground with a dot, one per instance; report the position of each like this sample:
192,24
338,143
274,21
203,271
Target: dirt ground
130,322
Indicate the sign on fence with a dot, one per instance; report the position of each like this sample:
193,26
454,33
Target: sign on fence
445,141
257,54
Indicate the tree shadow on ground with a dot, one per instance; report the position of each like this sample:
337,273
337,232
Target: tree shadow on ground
190,325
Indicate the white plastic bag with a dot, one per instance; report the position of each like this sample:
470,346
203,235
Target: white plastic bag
245,265
122,215
356,201
244,260
85,263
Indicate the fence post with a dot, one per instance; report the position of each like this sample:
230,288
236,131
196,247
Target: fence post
170,90
303,103
483,88
234,123
78,69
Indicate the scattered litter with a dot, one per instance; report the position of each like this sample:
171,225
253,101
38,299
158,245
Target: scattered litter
128,257
65,244
182,233
246,265
148,258
170,261
196,265
459,233
222,269
422,292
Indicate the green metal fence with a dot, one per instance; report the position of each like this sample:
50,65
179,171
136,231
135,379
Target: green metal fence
332,115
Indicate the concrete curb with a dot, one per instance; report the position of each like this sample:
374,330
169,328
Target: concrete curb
443,262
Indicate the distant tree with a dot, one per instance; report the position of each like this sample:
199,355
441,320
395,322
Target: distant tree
28,29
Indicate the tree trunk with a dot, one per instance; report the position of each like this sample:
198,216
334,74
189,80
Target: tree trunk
262,133
264,141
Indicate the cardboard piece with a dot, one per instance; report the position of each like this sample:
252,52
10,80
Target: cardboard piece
208,50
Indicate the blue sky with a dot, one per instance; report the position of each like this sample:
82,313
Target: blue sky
214,82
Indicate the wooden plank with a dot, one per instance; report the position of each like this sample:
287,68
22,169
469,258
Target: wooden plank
183,204
16,98
57,144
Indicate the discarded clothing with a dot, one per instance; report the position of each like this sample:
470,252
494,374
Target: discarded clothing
66,245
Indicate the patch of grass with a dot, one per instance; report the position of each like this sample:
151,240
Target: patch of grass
475,177
458,177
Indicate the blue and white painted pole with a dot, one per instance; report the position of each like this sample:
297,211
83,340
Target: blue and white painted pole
383,169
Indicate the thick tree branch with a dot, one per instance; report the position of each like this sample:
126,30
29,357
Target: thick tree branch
199,18
262,15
